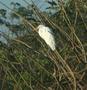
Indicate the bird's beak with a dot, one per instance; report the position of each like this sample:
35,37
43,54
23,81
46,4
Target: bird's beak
36,29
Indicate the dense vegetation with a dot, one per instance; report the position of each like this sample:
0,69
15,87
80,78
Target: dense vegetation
25,60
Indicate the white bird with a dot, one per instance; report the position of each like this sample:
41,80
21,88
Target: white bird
46,34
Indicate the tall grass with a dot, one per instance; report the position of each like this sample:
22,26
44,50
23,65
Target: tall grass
26,63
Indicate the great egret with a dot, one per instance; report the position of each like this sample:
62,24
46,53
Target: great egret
46,34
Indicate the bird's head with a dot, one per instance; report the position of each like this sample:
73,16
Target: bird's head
39,27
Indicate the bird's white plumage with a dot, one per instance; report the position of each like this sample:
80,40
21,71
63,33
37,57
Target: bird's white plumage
46,34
